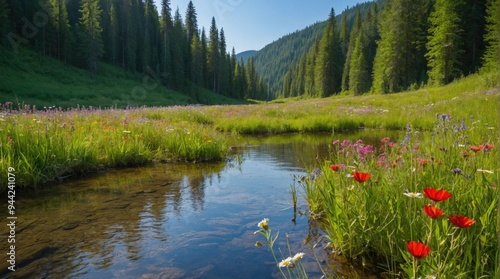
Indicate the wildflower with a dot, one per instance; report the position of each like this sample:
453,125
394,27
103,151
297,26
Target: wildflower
417,249
385,140
488,147
335,142
337,167
456,171
297,257
428,277
465,154
476,148
264,224
345,143
461,221
437,195
413,195
316,173
360,176
126,132
288,262
432,211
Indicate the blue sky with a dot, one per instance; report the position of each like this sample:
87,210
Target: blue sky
252,24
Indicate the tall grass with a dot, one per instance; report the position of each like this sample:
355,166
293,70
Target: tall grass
47,145
377,217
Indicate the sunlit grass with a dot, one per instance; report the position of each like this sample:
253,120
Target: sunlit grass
47,144
376,218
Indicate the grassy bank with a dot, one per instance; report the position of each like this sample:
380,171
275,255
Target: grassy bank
375,219
45,145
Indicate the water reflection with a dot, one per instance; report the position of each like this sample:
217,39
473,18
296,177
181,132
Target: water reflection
168,221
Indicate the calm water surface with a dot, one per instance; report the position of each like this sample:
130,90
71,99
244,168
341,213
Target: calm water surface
171,220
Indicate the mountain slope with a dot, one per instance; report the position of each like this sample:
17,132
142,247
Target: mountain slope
245,55
275,59
34,79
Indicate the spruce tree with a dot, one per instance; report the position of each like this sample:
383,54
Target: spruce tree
444,45
491,58
354,35
213,57
191,22
61,24
166,27
328,66
400,58
90,20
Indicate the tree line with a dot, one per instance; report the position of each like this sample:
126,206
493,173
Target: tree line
132,34
402,45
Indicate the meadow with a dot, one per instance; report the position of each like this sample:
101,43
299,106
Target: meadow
451,145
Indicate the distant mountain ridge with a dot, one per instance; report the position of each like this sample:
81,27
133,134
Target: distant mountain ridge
245,55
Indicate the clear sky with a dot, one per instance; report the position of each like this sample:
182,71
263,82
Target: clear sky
252,24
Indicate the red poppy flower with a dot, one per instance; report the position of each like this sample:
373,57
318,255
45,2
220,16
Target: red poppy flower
360,176
488,147
417,249
437,195
335,167
461,221
432,211
476,148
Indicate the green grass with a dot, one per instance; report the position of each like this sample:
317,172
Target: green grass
374,219
29,78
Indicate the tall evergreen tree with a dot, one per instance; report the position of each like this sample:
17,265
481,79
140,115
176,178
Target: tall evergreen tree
223,64
400,58
328,67
473,23
491,58
358,69
114,34
166,26
213,55
61,23
444,45
197,59
178,52
191,22
90,20
354,35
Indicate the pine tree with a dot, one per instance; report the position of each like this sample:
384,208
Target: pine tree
223,65
213,57
444,45
400,58
196,61
166,27
191,22
61,24
114,34
90,20
178,54
354,34
328,67
358,69
491,58
204,53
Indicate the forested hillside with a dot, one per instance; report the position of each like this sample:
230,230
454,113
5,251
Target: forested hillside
400,45
277,58
133,35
